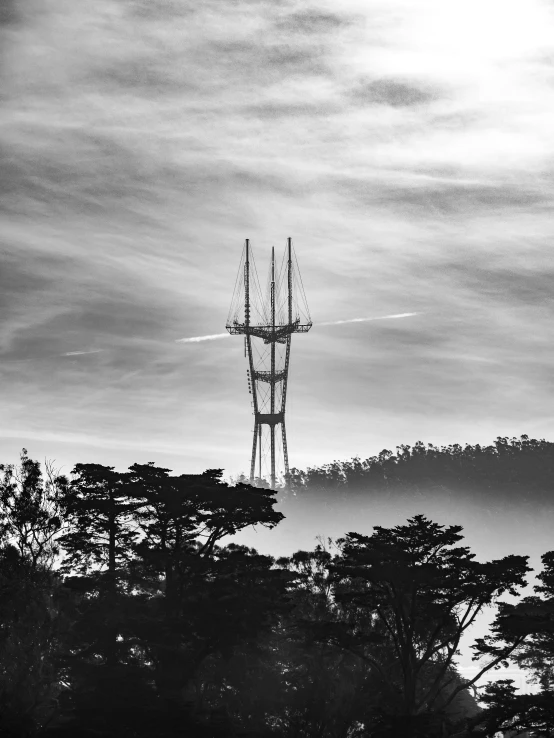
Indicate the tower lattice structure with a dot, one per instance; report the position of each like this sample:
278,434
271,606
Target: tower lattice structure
267,321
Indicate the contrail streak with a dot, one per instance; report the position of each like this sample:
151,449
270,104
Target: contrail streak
82,353
364,320
198,339
216,336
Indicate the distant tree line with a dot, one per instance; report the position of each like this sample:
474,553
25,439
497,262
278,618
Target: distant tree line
510,469
123,613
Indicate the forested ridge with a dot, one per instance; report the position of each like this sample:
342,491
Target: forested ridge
126,611
517,468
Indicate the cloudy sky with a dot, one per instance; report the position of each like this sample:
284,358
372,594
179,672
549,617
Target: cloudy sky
406,147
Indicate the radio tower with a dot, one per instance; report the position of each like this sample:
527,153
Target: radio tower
267,323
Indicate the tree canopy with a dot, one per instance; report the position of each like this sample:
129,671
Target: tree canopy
126,609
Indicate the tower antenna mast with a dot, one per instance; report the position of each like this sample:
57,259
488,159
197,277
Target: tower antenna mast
273,320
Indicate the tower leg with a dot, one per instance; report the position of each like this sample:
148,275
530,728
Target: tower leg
285,451
272,429
260,452
253,460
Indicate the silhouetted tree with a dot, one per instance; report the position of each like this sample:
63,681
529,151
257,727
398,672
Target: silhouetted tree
531,622
98,661
512,713
326,690
31,629
162,629
196,598
29,509
98,510
537,654
421,593
234,613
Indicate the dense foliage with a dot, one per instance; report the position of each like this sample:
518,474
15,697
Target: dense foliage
125,611
517,468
